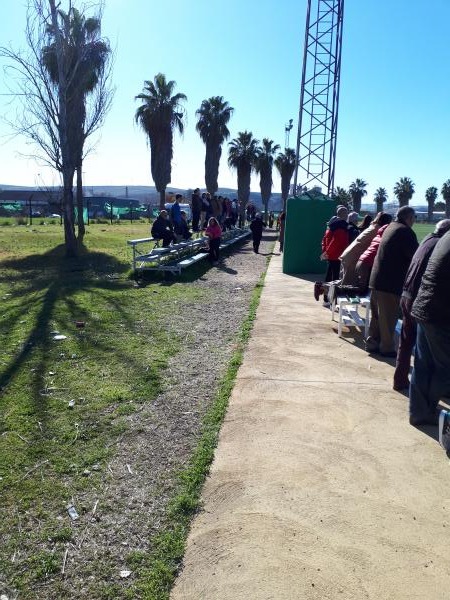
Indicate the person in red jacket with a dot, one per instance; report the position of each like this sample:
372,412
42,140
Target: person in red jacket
334,242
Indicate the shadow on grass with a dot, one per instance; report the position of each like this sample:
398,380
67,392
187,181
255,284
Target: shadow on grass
196,271
44,280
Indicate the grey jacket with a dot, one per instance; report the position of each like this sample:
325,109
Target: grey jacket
432,304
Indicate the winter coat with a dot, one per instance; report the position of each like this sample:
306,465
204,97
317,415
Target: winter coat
175,213
335,240
160,227
352,253
257,226
196,203
368,256
418,265
432,304
214,232
353,232
393,258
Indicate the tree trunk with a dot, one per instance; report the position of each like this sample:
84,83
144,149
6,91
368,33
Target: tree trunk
356,204
212,161
430,211
285,184
80,207
447,208
162,199
379,206
244,174
66,159
69,228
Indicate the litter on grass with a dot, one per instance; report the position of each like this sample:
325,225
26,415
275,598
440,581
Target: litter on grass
72,512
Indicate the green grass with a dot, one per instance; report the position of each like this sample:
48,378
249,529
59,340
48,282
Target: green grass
423,229
45,445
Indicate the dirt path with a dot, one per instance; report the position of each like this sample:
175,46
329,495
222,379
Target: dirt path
160,437
320,489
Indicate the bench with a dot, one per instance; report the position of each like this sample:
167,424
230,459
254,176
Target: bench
346,309
137,253
178,256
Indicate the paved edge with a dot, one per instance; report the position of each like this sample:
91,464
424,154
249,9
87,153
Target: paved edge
319,487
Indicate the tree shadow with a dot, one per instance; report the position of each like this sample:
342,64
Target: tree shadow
45,280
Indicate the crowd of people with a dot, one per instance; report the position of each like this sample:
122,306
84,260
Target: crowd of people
211,215
383,257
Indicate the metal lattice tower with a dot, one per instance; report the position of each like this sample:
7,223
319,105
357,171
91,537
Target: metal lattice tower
319,97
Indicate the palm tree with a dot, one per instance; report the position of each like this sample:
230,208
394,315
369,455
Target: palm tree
263,166
445,191
357,190
85,56
242,156
159,114
285,164
404,190
213,117
380,198
431,195
342,196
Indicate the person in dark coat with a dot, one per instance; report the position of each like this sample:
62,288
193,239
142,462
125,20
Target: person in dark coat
196,206
397,247
182,229
162,229
353,229
410,289
256,227
430,379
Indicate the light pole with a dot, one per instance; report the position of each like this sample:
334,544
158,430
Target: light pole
287,131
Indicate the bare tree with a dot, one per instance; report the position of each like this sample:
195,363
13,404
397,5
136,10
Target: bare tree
46,112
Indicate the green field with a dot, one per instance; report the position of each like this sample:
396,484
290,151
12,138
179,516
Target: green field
64,403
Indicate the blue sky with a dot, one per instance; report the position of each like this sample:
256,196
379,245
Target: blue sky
394,112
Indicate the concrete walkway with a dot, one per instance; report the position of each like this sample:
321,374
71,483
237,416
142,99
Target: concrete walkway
320,488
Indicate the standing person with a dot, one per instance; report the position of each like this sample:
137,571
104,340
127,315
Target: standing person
392,261
352,253
234,212
410,289
430,379
366,222
353,229
214,232
196,206
271,219
363,268
334,242
282,222
206,209
175,212
256,227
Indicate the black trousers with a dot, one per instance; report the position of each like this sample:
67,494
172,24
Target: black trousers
167,238
256,242
332,274
195,220
214,246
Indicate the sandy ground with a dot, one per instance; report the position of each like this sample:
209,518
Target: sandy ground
320,488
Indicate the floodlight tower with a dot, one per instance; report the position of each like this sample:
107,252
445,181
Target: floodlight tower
319,96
